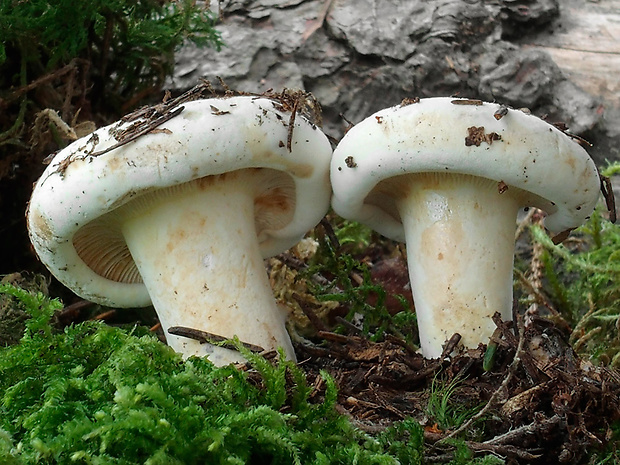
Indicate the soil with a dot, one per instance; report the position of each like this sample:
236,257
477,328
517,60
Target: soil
540,402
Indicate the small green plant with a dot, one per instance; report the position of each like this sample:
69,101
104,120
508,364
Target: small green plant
352,285
443,408
352,234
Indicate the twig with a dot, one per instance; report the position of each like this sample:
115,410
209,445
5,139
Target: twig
401,342
608,195
72,311
76,307
335,337
501,112
372,429
329,232
19,121
104,316
536,293
504,450
350,326
525,222
349,123
292,262
291,126
209,338
450,346
42,80
227,90
579,343
310,313
517,434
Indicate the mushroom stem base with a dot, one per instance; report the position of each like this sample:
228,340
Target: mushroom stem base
199,257
460,247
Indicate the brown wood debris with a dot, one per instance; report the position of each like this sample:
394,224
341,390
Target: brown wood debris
409,101
205,337
476,136
501,112
474,102
540,402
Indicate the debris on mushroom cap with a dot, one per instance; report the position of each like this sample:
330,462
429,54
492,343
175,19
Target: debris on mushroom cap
436,135
169,144
477,136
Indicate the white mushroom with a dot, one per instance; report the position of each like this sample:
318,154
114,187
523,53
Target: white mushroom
183,215
448,176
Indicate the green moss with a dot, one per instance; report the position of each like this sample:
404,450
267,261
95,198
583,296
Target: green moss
49,33
97,394
583,281
351,234
404,440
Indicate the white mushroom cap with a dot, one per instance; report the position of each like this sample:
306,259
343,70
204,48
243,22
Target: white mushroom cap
448,135
90,178
448,176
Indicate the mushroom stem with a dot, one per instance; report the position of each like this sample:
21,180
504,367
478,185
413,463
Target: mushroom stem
460,248
200,261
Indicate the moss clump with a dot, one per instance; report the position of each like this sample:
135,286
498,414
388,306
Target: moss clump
97,394
13,314
582,280
124,47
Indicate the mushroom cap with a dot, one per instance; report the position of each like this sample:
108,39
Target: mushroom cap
93,176
460,136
